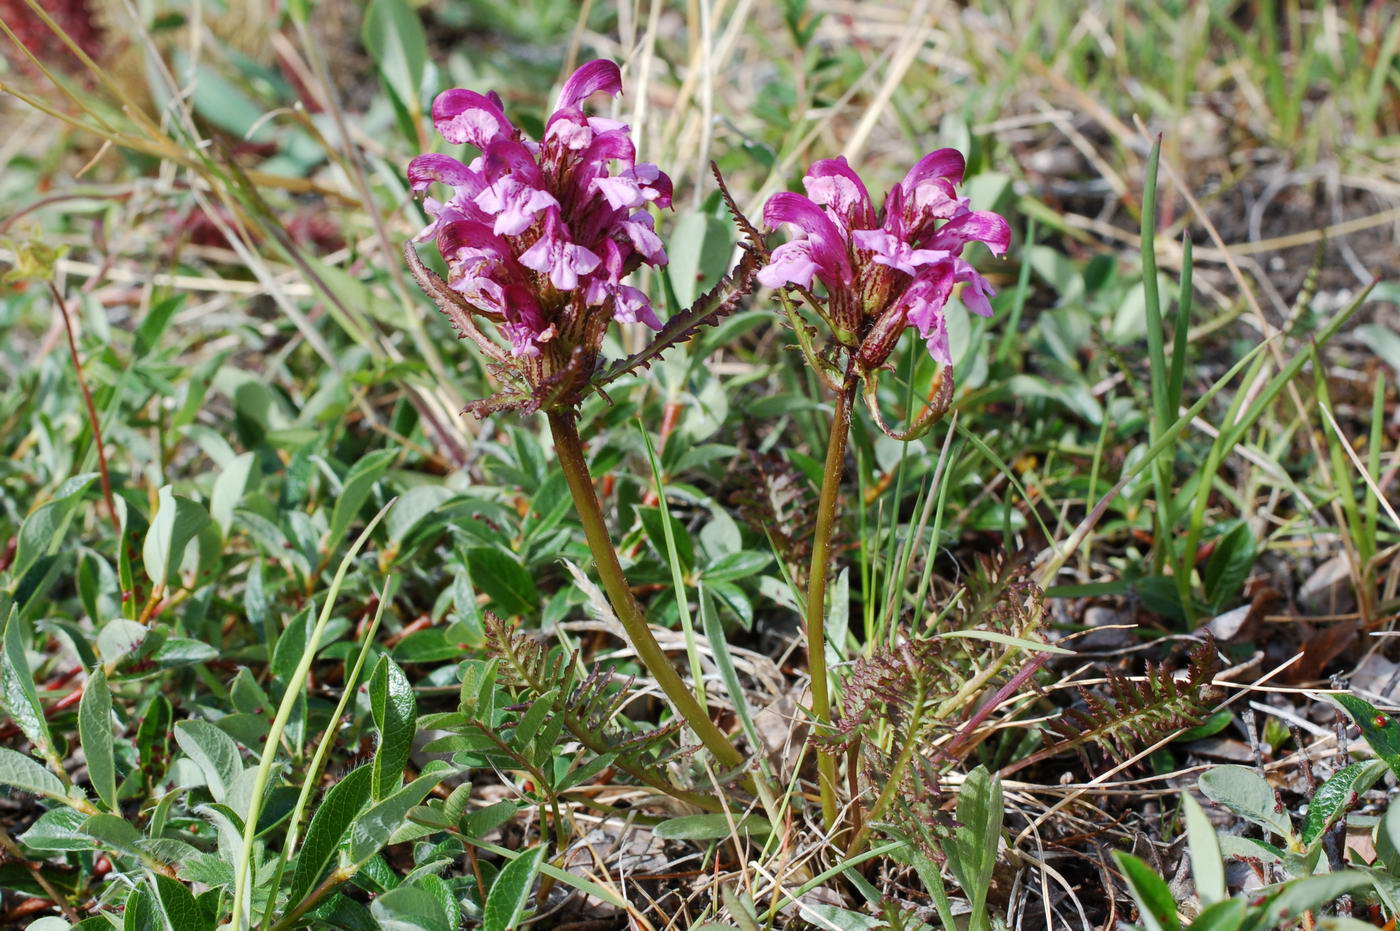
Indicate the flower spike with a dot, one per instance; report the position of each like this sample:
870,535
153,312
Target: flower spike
539,237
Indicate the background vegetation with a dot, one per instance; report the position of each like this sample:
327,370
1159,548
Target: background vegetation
247,542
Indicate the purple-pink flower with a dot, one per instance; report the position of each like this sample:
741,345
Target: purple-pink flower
539,236
889,270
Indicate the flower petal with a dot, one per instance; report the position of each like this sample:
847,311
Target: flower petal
790,263
589,79
444,169
831,183
941,164
463,116
828,246
974,226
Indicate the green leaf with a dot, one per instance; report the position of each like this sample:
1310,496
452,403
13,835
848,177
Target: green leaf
1229,565
1381,731
119,638
1339,794
1302,895
1247,794
734,566
1156,906
57,829
394,710
18,697
181,910
1388,839
113,832
214,752
43,529
329,826
504,580
1207,864
478,823
834,918
54,923
655,524
228,490
359,482
22,772
153,324
95,735
508,893
972,851
394,37
371,830
1222,916
699,248
409,908
711,827
176,522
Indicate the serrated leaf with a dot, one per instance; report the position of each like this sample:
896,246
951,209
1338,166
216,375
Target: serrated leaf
214,752
1247,794
176,522
1338,795
394,710
508,893
359,482
1207,863
1156,905
95,735
329,826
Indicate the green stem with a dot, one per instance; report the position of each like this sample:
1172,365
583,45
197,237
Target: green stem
827,507
569,448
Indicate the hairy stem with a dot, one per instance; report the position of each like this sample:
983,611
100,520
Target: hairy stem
569,448
827,507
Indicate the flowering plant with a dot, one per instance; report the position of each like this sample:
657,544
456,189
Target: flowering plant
883,272
539,237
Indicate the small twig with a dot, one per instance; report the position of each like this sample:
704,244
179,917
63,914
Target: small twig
91,408
8,845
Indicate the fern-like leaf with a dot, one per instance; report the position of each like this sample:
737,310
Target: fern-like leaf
589,708
1132,714
710,308
776,499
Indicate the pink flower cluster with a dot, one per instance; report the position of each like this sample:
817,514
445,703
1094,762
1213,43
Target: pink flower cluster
539,236
884,272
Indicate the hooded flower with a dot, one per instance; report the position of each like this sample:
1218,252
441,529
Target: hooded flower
883,272
539,236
